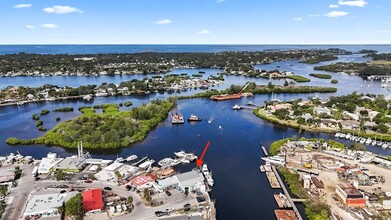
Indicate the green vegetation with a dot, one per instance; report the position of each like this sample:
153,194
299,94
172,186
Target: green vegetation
314,210
293,182
298,78
35,117
45,112
39,123
58,118
319,59
317,211
358,147
127,104
74,207
59,175
334,81
87,110
64,109
321,76
41,128
275,147
363,69
197,75
112,129
336,144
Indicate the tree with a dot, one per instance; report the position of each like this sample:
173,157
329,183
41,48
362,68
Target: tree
286,83
270,85
118,175
358,147
147,195
301,120
382,128
60,175
74,207
130,200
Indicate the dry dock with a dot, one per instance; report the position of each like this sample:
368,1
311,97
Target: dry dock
273,180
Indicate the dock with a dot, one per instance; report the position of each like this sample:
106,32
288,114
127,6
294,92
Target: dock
282,201
285,215
264,151
289,198
273,180
262,168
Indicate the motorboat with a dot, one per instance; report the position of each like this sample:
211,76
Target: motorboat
369,141
362,141
337,135
348,136
131,158
194,118
274,160
236,107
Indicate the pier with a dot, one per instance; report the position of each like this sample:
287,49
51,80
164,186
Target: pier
273,180
290,200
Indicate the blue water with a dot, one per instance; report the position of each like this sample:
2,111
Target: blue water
91,49
240,191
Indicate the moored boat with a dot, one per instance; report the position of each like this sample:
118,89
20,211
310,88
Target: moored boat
131,158
177,119
274,160
194,118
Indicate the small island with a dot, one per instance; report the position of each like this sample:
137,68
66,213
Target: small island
111,129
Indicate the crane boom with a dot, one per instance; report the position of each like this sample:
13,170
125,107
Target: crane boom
244,87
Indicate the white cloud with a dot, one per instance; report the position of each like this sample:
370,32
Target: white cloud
356,3
61,9
298,19
30,26
204,31
333,6
314,15
164,21
335,14
23,6
49,26
220,1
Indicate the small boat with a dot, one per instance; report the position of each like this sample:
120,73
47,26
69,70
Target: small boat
362,141
119,160
236,107
177,119
348,136
194,118
131,158
379,143
342,135
369,140
146,164
373,143
184,160
358,139
210,180
166,161
180,154
262,168
207,175
183,155
384,146
247,94
337,135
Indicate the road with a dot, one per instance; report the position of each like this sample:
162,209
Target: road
18,196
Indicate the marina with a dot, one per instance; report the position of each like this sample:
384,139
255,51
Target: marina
274,183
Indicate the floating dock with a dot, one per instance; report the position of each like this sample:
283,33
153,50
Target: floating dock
285,215
282,201
273,180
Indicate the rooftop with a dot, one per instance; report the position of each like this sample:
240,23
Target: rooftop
92,200
189,178
349,189
46,203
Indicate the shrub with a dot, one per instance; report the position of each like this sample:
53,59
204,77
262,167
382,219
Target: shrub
45,112
35,117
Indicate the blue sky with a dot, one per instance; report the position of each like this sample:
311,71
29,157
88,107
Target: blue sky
195,22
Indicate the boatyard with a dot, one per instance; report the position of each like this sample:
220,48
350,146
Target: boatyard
330,175
110,189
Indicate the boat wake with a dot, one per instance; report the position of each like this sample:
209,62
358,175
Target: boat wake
211,119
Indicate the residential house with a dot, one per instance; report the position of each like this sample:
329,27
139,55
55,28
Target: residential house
322,110
276,107
350,124
354,116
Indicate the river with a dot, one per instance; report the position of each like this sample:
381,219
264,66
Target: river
240,191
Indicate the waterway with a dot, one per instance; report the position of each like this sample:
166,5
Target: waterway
240,191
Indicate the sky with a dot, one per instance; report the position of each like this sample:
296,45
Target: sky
195,22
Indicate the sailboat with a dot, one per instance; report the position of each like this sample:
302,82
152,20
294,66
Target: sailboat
274,98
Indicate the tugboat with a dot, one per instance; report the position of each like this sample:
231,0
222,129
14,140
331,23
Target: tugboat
194,118
228,96
177,119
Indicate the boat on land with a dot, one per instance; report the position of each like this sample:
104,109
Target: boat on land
229,96
177,119
194,118
168,162
274,160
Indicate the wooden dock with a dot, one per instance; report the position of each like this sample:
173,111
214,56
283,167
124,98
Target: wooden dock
289,198
282,201
285,215
273,180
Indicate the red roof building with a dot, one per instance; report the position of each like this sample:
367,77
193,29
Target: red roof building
92,200
143,179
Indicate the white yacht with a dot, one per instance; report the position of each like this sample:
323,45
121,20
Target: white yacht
337,135
165,162
362,141
236,107
384,146
274,160
207,174
131,158
342,135
348,136
369,140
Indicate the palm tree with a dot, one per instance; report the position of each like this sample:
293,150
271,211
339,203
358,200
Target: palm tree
130,200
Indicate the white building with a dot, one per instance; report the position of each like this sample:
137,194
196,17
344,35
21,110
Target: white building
46,205
48,162
108,173
192,180
322,110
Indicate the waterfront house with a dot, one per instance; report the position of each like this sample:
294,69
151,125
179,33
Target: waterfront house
322,110
350,124
372,114
281,106
30,97
7,175
354,116
330,123
305,103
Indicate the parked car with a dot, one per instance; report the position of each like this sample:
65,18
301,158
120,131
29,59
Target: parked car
87,181
186,207
128,187
170,210
168,193
160,213
201,199
107,188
